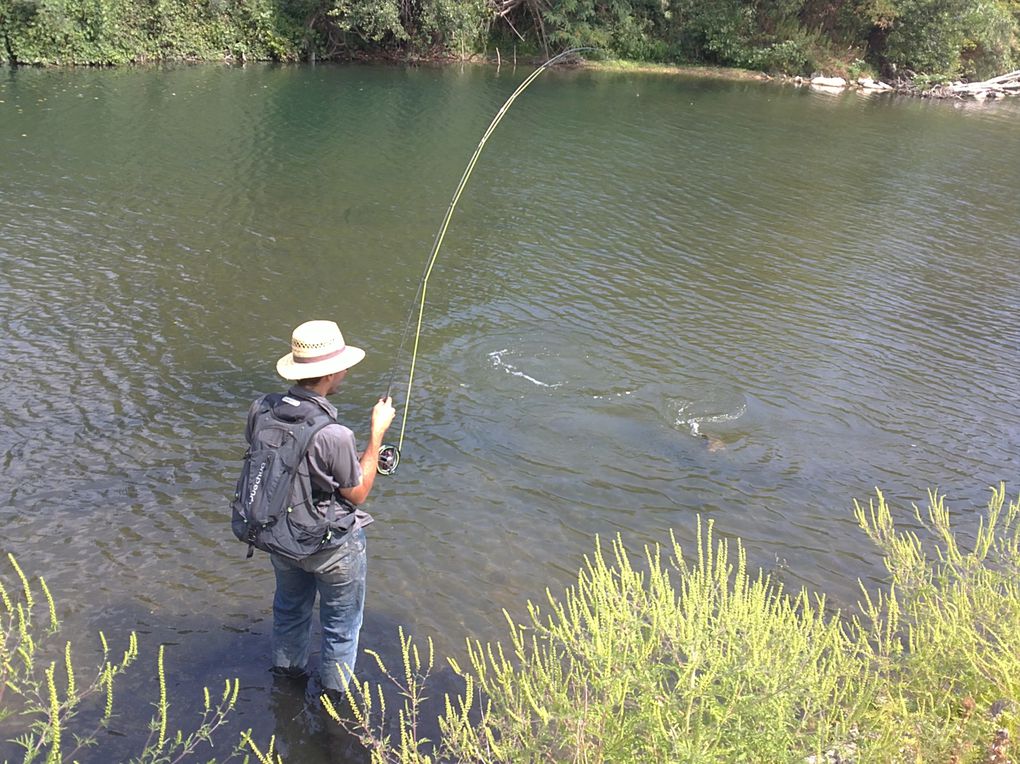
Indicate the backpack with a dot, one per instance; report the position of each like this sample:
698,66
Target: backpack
275,506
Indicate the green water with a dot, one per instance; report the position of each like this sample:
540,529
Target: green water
825,287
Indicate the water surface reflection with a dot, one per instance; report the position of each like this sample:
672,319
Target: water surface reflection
824,287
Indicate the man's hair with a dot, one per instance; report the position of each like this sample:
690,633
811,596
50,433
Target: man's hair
310,382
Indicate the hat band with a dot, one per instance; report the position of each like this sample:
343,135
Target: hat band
317,358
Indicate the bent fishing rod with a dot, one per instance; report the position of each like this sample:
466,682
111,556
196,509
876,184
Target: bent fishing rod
389,455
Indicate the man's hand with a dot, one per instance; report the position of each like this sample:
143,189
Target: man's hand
382,417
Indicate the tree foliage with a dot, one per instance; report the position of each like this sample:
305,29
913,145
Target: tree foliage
935,37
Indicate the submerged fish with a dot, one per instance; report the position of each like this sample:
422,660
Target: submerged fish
714,443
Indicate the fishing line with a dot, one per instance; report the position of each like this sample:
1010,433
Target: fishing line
389,455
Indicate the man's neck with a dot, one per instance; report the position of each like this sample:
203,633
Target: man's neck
319,388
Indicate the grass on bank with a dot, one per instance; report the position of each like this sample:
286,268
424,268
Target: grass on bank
696,70
697,659
63,711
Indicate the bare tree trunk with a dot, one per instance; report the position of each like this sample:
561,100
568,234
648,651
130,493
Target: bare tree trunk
536,14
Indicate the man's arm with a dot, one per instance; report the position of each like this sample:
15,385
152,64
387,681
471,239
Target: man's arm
382,416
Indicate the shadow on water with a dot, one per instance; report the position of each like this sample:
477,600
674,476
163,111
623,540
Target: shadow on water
290,709
200,654
303,730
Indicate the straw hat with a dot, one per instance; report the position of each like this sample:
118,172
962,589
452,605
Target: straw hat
317,349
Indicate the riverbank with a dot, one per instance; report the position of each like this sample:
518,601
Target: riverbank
957,39
837,80
920,86
675,655
995,88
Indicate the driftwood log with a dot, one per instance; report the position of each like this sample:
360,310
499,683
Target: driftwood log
997,87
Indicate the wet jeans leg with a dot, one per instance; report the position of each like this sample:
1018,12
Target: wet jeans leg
292,613
341,609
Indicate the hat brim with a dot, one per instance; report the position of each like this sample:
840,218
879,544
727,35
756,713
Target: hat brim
289,369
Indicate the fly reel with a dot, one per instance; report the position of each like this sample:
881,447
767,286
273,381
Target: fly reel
389,458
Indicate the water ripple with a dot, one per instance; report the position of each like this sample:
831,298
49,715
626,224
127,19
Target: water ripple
657,299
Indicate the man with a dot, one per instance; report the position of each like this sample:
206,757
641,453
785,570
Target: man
318,363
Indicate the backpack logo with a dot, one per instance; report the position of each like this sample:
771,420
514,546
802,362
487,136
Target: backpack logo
256,484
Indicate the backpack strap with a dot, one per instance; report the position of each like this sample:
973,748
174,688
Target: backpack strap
317,423
312,426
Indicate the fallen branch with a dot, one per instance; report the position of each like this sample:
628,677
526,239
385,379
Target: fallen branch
1005,78
997,87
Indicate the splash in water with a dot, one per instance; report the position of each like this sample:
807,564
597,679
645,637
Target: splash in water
692,415
496,356
608,396
689,416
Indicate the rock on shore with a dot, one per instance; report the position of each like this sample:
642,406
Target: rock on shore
997,87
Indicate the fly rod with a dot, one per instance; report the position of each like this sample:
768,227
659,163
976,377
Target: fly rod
389,455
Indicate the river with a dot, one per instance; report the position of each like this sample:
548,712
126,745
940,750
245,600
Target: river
660,298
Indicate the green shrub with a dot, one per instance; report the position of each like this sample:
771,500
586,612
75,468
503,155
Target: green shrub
703,661
946,636
49,693
370,20
935,37
118,32
460,27
64,31
789,56
991,45
742,34
928,35
632,667
620,28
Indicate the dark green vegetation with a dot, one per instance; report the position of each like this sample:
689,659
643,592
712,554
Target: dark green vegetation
975,38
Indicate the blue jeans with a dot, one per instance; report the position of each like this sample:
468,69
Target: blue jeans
338,576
